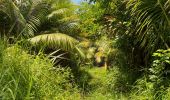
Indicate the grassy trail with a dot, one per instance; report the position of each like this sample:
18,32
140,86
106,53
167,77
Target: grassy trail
98,85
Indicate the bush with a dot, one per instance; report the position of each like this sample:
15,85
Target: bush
155,84
25,76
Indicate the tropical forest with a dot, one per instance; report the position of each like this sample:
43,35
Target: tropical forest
84,50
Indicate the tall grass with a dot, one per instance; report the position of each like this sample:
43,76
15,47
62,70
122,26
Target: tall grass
25,76
34,77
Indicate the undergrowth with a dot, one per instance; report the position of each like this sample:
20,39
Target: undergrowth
25,76
34,77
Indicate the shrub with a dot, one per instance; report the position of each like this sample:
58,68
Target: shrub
155,84
25,76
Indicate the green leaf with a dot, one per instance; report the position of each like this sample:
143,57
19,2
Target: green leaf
55,40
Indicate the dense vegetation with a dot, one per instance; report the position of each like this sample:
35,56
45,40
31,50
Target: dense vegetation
97,50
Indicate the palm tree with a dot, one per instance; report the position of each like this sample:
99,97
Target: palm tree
152,23
38,17
42,22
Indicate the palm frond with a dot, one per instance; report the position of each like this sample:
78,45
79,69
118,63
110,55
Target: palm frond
57,12
55,40
71,28
56,58
152,22
36,16
13,13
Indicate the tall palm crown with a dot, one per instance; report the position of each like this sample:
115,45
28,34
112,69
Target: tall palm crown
27,18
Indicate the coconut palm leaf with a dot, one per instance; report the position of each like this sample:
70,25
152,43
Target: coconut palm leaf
65,20
55,40
57,13
37,13
56,58
37,16
152,23
41,13
13,13
58,41
24,25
